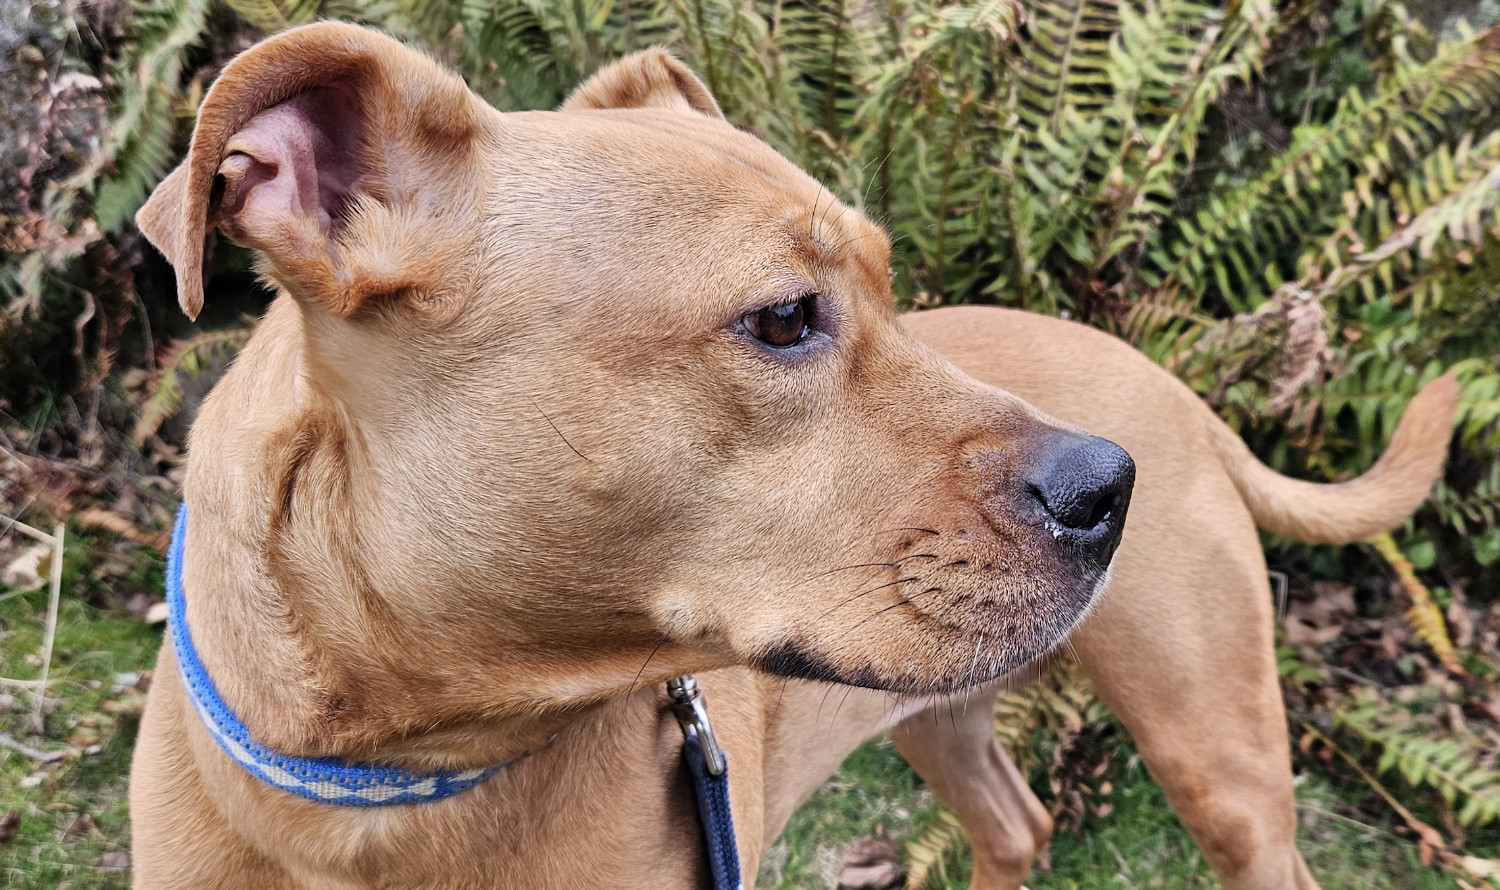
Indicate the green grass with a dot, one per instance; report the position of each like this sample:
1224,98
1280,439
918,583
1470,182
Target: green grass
92,647
1140,845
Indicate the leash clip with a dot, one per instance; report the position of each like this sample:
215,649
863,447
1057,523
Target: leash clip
692,715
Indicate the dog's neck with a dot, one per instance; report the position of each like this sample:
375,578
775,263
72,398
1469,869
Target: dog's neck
300,642
287,625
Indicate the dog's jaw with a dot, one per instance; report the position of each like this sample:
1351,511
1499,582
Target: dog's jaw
988,652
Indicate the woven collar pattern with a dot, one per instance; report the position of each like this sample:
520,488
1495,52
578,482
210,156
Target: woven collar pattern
324,780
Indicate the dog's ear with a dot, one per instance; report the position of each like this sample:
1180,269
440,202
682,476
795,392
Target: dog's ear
331,149
651,78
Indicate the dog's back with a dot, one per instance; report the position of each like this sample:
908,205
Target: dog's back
1098,382
1181,648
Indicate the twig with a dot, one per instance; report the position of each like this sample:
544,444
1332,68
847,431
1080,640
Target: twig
15,593
22,527
1426,834
53,595
1365,826
1350,675
8,741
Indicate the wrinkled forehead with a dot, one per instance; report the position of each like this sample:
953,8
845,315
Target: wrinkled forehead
646,193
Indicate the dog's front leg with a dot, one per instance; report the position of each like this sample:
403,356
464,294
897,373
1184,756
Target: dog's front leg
952,746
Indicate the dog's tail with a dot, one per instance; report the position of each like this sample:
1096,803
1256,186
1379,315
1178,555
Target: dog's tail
1349,511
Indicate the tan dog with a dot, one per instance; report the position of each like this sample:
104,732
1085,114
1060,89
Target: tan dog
555,406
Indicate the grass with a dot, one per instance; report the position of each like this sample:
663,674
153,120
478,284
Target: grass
74,829
1140,844
73,825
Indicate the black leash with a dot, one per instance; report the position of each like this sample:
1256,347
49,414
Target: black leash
710,771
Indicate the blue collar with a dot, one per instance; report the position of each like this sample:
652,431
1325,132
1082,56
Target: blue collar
325,780
331,781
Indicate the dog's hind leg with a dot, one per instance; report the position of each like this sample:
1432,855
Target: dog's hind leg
952,746
1181,651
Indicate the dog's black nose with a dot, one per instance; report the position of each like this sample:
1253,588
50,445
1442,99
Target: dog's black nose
1084,484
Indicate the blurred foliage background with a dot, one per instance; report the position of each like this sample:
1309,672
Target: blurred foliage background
1292,207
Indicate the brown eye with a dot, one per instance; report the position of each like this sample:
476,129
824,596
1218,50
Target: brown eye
781,326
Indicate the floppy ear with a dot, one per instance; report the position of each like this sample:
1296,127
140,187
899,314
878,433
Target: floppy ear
652,78
332,150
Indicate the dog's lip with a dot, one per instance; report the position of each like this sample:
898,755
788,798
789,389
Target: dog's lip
802,659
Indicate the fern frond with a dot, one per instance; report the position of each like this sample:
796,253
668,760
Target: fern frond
142,160
1480,507
515,53
271,16
1479,405
946,111
1424,616
832,48
737,47
1426,834
1171,64
1447,204
140,133
182,363
1068,62
927,853
1227,247
1459,769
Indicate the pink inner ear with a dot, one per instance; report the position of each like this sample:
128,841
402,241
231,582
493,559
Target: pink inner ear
294,162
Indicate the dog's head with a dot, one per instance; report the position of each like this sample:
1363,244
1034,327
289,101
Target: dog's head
619,380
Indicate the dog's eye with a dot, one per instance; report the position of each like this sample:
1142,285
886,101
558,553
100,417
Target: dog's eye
781,326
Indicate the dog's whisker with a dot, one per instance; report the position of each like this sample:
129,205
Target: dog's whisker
864,199
857,539
780,694
640,673
556,430
902,602
866,565
850,543
833,198
836,223
974,665
955,601
864,593
828,690
812,219
847,691
847,241
871,617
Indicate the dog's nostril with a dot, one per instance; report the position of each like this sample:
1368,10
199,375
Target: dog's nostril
1102,510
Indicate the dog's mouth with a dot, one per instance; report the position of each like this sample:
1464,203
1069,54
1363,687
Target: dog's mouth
951,645
1001,585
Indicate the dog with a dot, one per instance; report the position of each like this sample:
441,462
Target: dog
554,407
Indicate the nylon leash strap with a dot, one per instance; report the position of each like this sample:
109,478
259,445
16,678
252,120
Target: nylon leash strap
709,768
